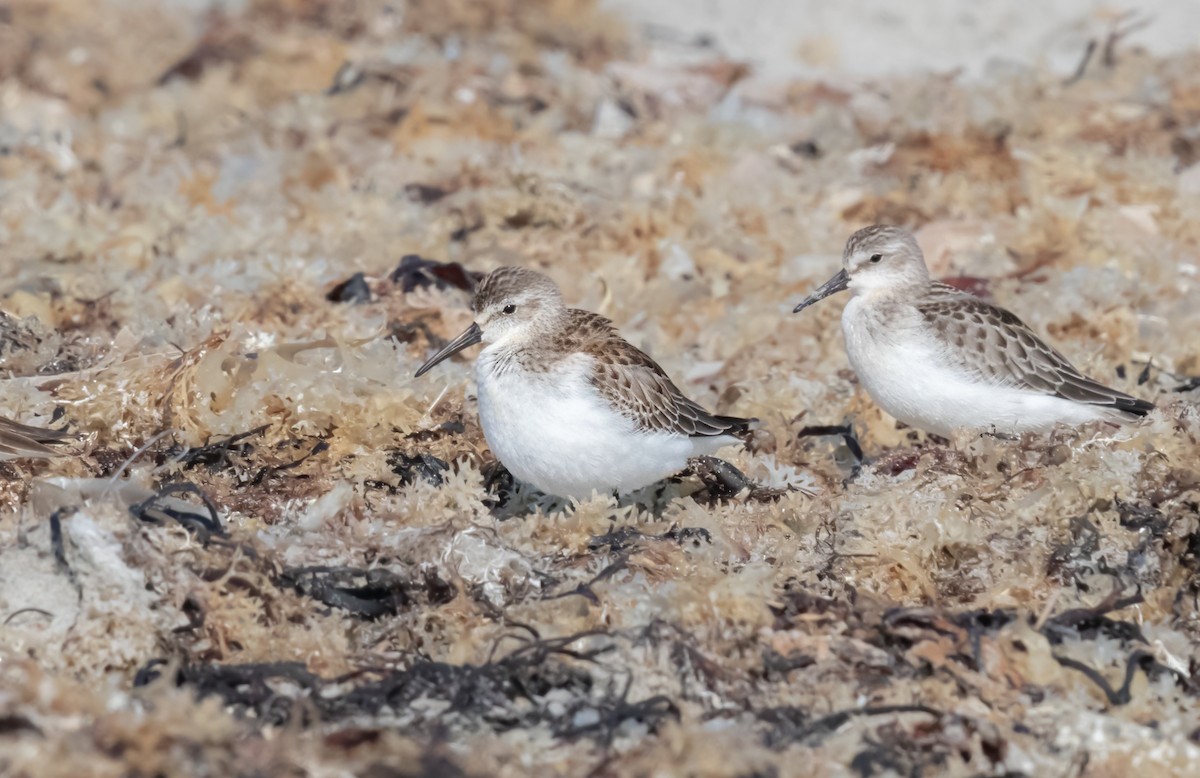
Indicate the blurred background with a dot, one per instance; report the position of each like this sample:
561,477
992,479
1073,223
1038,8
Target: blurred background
881,38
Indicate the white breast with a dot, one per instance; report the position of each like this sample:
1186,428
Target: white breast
553,430
903,367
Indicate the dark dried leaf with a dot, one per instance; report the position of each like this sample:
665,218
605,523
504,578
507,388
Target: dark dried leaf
425,194
370,594
353,290
216,455
224,42
204,520
414,271
421,465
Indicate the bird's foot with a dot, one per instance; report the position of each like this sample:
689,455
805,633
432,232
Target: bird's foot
722,481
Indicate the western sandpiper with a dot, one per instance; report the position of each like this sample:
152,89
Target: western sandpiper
567,404
942,360
19,441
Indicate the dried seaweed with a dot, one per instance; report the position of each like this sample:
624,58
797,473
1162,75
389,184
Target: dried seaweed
791,725
57,546
1188,383
273,470
15,724
1076,554
1120,696
223,42
1139,517
776,666
425,194
410,467
844,431
370,594
353,290
216,456
586,589
163,506
615,711
371,541
1092,622
500,695
623,538
430,765
722,481
416,272
499,484
893,750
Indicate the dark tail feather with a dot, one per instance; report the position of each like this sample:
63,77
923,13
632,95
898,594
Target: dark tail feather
40,434
1088,390
21,440
1133,405
736,426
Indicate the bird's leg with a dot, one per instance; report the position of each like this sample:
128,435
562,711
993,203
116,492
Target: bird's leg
500,486
658,504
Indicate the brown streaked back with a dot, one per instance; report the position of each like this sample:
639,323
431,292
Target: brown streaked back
637,386
999,348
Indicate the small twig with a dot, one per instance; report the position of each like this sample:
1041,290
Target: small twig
1112,602
221,449
831,722
116,476
1117,33
437,401
30,609
585,589
1121,696
1044,616
321,447
538,650
1083,63
152,510
56,538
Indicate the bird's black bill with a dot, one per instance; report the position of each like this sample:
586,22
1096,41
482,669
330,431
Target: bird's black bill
469,338
839,283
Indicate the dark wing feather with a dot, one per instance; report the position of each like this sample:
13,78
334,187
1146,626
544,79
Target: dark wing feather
640,389
1000,348
21,440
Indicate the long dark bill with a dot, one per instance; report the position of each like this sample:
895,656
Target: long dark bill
839,283
469,338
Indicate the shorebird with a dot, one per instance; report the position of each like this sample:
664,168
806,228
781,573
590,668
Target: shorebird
19,441
942,360
567,404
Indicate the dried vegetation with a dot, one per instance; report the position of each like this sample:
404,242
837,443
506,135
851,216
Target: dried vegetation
227,241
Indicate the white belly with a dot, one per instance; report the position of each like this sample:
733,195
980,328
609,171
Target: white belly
906,375
554,431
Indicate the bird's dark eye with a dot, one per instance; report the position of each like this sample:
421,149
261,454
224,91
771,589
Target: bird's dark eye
876,257
510,309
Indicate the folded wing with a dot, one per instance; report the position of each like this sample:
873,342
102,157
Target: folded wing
640,390
999,348
21,440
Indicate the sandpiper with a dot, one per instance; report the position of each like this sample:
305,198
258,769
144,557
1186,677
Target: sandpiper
20,441
941,360
567,404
